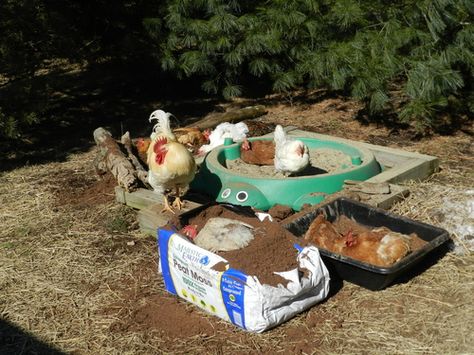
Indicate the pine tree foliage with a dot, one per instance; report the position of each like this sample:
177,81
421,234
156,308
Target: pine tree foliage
362,48
412,57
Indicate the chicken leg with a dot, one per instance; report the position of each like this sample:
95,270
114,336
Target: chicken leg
177,203
166,205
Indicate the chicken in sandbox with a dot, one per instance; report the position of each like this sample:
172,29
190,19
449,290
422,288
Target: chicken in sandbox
224,130
379,246
170,164
220,234
291,155
257,152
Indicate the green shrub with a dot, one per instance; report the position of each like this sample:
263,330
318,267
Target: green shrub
417,52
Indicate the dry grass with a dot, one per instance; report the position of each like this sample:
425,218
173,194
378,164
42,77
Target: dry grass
67,275
54,276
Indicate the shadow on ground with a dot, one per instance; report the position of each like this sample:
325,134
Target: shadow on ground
72,101
76,101
14,340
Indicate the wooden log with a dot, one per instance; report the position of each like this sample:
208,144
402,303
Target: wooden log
141,173
213,119
111,158
139,199
151,217
371,188
149,205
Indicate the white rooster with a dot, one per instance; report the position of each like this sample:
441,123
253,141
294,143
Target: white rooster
170,164
237,132
291,155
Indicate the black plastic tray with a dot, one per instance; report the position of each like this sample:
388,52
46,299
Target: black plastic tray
360,273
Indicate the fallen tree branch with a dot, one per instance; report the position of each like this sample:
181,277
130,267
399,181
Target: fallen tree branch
141,173
213,119
111,158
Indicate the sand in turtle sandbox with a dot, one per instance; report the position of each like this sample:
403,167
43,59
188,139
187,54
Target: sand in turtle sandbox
322,160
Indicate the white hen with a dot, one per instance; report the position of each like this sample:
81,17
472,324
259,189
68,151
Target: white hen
221,234
291,155
237,132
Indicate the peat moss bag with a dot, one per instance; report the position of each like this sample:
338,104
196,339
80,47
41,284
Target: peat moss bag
188,271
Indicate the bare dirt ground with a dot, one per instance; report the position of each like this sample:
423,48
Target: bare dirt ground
77,275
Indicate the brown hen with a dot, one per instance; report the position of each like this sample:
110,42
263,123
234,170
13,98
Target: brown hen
257,152
191,137
322,233
380,246
142,144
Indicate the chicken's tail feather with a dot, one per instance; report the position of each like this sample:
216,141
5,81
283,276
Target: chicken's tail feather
162,127
279,135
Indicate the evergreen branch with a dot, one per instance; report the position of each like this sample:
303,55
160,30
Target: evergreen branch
231,90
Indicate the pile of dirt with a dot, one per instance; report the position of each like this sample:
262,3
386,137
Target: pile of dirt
270,251
77,191
166,314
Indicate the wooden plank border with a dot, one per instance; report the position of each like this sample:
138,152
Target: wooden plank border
401,165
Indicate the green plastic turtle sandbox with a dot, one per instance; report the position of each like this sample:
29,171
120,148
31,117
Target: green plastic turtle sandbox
223,184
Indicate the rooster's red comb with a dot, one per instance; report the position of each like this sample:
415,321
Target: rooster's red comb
159,143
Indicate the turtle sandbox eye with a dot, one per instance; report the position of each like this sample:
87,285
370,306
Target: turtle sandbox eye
225,193
242,196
